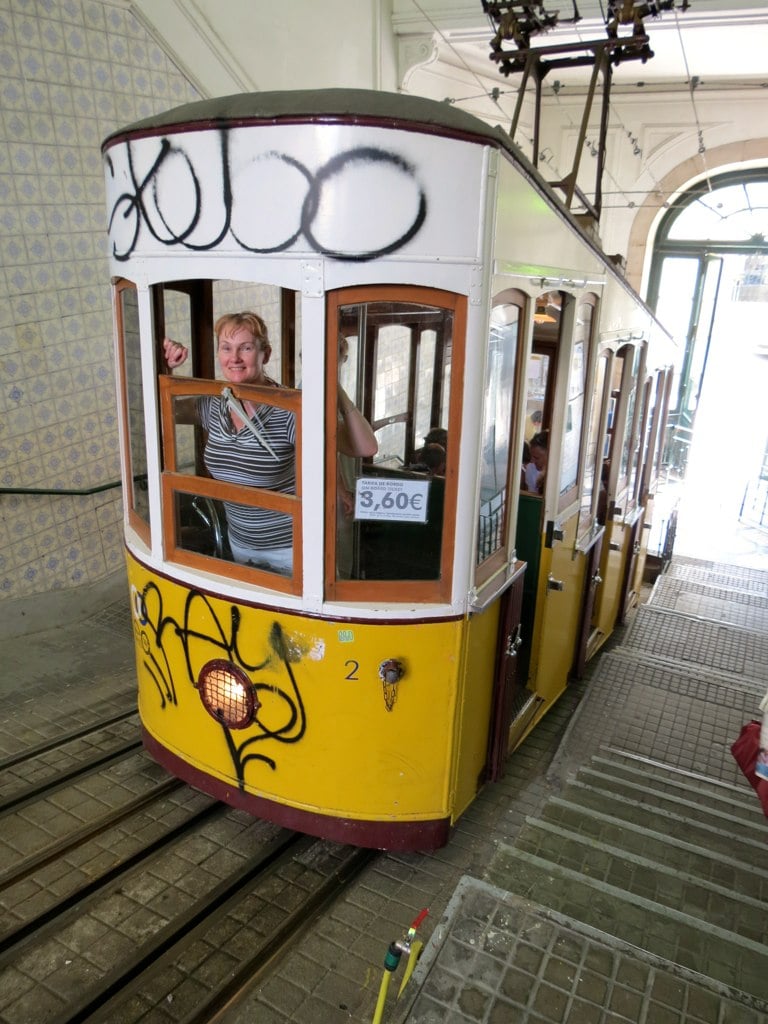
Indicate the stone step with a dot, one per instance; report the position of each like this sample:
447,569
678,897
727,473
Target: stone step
675,850
634,775
678,639
634,867
706,947
722,834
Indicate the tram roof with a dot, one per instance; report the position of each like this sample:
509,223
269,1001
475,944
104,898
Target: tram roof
365,106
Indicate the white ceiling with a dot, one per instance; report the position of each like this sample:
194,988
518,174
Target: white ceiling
711,45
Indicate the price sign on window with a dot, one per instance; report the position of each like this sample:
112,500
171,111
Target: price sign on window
401,501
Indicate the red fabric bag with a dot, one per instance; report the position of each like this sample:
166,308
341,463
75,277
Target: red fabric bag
745,751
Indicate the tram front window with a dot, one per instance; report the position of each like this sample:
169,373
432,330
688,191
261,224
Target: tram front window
230,487
390,508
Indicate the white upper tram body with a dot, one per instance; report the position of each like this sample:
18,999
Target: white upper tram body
382,190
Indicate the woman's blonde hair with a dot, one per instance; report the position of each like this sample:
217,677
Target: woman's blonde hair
232,321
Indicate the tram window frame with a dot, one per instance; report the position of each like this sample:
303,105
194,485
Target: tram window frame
439,589
487,567
206,299
597,449
641,441
586,339
664,424
632,442
174,482
623,386
131,416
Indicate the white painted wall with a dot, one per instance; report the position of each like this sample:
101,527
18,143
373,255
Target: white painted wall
259,45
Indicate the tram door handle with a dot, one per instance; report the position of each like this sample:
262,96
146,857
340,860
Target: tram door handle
553,584
597,579
514,642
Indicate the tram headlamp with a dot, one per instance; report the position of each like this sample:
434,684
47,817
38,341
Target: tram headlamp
227,694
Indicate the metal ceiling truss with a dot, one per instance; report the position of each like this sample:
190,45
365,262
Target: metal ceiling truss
518,23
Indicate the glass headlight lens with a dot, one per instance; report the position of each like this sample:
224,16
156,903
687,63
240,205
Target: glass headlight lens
227,694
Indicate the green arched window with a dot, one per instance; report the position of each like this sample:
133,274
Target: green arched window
720,223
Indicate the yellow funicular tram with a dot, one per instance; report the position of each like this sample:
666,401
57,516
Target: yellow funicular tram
431,613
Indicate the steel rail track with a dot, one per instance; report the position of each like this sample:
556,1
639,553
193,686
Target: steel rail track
40,925
114,982
30,753
86,767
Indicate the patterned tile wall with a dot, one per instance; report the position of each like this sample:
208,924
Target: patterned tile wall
71,71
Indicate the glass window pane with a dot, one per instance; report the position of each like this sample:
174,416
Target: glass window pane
732,212
497,429
425,377
128,312
627,362
538,373
574,412
593,465
389,522
200,525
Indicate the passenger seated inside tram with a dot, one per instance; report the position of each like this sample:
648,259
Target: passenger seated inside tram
529,473
602,498
254,443
538,445
533,424
431,458
437,435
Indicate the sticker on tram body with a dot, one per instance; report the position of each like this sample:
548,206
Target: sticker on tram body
403,501
346,636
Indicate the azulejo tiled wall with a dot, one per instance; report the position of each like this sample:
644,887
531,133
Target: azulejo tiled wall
71,71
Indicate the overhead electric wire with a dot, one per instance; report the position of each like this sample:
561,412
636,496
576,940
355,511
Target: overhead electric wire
493,94
616,119
693,81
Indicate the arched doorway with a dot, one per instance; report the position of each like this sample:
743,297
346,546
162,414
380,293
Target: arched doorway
709,285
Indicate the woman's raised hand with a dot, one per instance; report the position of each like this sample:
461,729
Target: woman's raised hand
175,353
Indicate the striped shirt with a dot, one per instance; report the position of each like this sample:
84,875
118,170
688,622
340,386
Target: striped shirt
238,457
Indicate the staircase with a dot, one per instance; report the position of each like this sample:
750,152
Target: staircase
652,837
662,860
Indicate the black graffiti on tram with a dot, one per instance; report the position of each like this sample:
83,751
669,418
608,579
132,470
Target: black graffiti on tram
146,205
282,715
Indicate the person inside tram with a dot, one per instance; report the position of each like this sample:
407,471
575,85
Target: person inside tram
533,424
432,457
539,444
255,444
529,473
437,435
356,439
602,497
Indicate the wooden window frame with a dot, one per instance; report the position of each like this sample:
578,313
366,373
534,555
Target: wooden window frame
490,566
173,482
140,526
572,494
393,591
